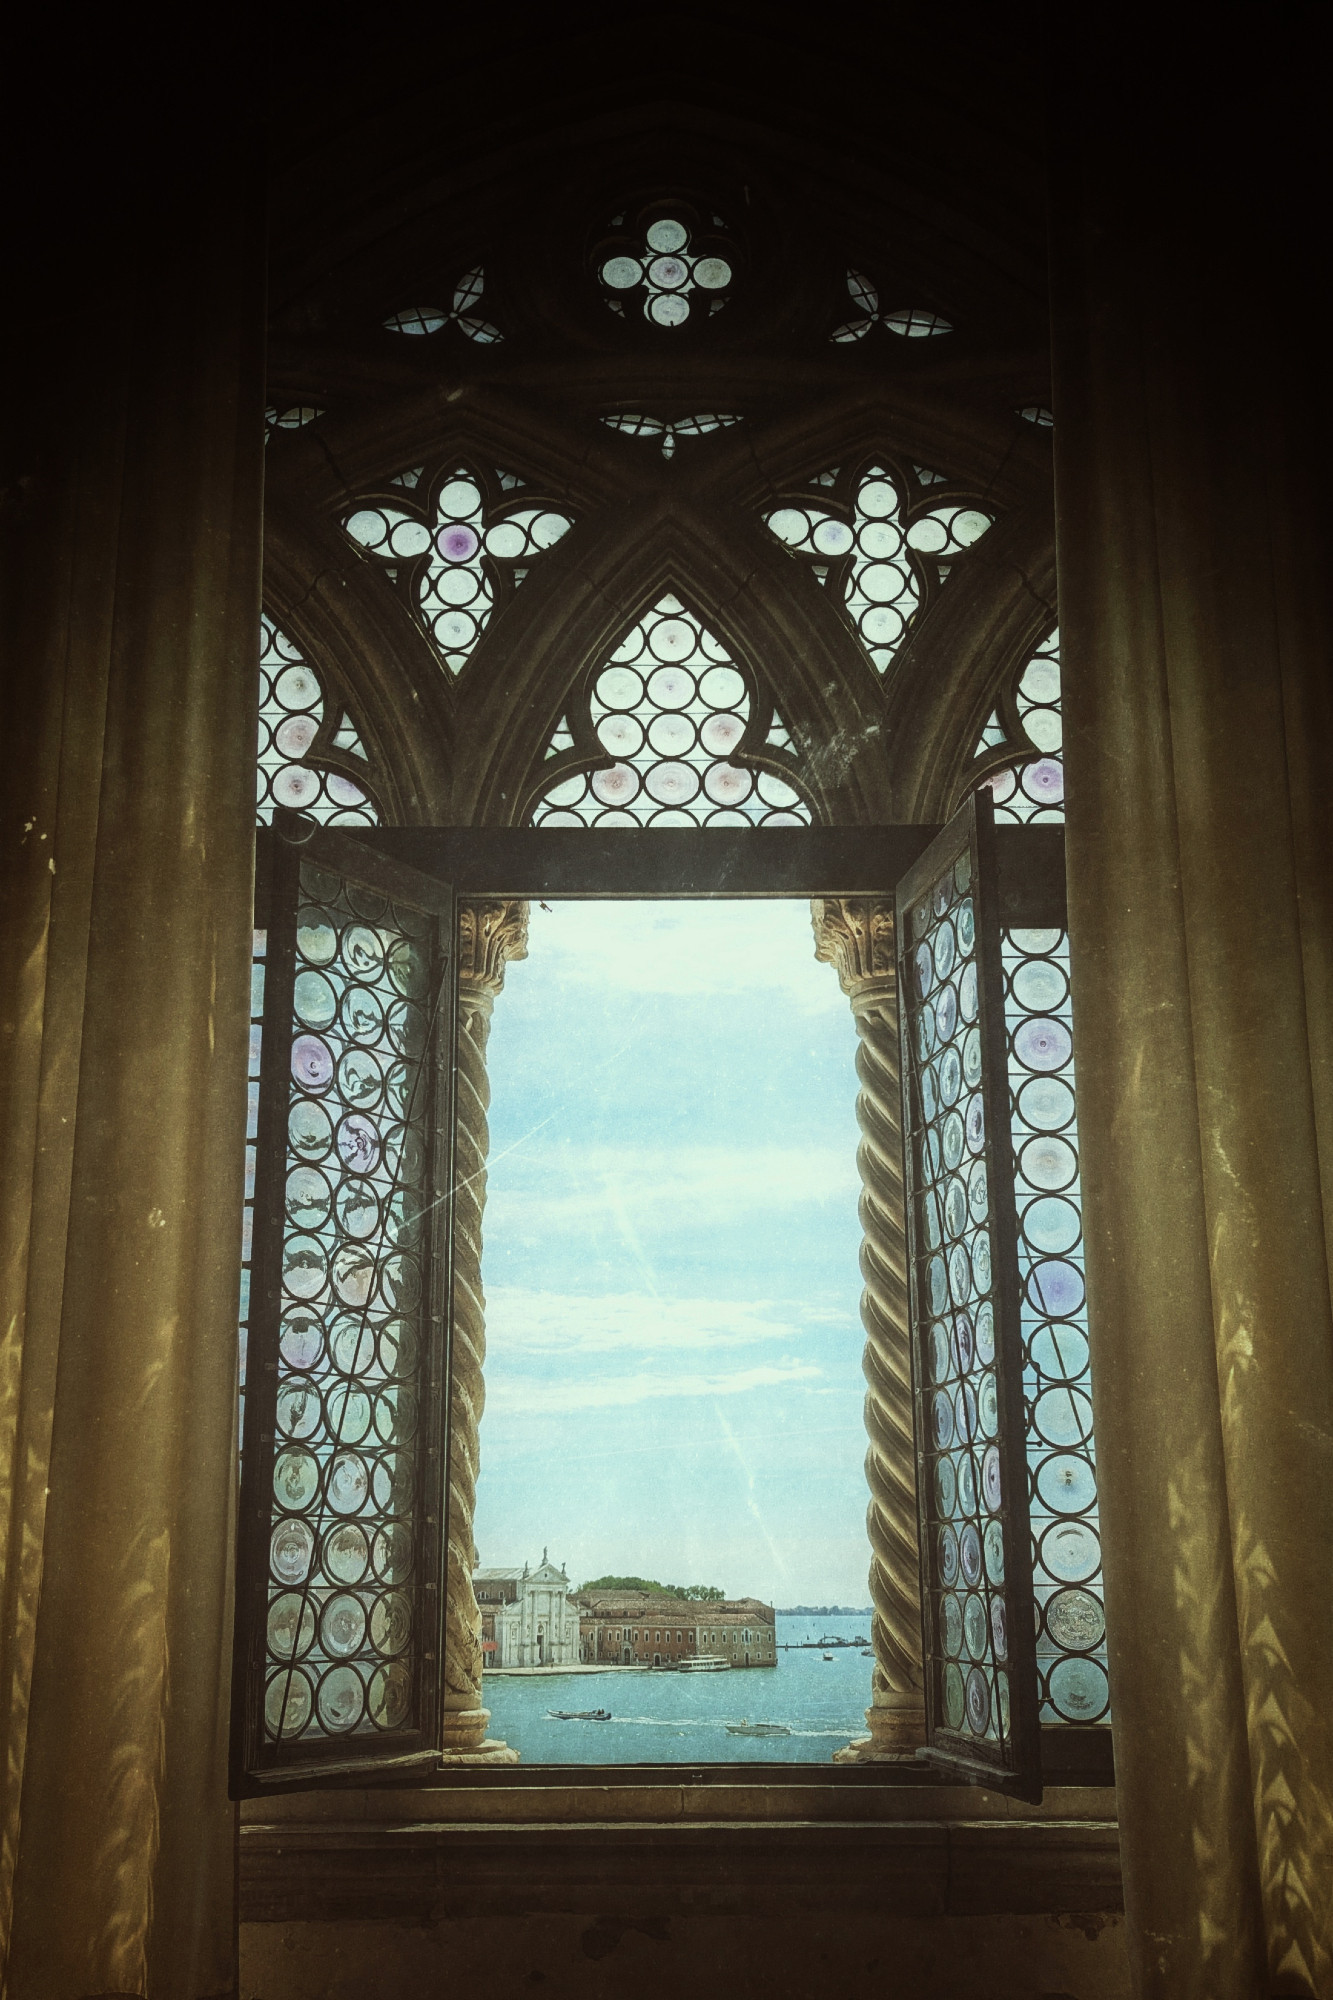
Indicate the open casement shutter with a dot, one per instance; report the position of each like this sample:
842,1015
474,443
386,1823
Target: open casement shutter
967,1347
339,1625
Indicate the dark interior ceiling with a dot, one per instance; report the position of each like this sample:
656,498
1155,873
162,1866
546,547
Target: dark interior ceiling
383,138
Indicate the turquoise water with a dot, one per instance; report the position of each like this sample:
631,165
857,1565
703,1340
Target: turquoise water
671,1718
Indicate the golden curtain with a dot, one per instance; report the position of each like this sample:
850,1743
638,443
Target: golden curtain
133,479
1192,453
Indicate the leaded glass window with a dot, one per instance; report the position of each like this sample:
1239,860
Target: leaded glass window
668,429
456,550
292,417
673,709
293,731
1057,1387
977,1604
678,727
668,266
883,552
912,323
342,1492
1033,790
464,313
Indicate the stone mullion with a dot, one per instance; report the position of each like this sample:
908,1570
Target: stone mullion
855,934
489,935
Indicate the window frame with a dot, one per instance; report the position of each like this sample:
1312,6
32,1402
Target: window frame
623,864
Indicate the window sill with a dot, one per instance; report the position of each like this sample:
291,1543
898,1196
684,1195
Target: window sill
661,1850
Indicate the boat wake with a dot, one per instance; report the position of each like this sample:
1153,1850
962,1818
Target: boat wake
722,1724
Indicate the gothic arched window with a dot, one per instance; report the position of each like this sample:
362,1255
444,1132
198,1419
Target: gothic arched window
686,521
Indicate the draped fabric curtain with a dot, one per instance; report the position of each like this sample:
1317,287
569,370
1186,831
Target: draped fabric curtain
1192,453
131,531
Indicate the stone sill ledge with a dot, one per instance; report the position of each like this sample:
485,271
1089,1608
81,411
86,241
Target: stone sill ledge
655,1802
422,1871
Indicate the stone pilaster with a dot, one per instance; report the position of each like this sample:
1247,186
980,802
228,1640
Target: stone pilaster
489,935
855,935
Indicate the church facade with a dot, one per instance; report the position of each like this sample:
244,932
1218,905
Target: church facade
527,1619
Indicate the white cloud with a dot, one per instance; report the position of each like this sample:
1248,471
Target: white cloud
686,1186
570,1325
521,1395
713,947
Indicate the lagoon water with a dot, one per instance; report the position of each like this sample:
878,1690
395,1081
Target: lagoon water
674,1718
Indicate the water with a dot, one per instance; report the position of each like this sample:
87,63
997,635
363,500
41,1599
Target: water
672,1718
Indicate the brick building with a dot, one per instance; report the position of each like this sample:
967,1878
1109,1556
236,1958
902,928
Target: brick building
641,1628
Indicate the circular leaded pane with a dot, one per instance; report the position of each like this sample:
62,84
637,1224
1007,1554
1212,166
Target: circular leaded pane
1078,1689
340,1699
287,1704
978,1702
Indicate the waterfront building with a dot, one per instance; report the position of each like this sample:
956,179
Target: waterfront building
527,1618
642,1628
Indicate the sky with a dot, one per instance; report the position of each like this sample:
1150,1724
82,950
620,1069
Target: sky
673,1374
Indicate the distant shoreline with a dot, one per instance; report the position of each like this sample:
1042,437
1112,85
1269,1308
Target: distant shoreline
824,1611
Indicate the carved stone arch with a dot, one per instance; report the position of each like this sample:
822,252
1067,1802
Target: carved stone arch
545,439
979,444
737,580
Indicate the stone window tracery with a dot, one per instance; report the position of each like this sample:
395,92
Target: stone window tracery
669,429
670,265
910,322
418,321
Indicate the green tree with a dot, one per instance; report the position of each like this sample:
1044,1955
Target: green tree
696,1593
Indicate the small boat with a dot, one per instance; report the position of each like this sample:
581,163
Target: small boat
867,1653
757,1729
828,1656
580,1714
706,1663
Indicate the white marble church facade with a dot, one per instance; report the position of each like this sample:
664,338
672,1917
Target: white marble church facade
535,1623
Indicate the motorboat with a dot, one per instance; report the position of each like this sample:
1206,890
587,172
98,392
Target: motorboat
757,1729
828,1656
580,1714
706,1663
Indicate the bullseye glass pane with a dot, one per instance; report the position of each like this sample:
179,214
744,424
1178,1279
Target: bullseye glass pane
972,1484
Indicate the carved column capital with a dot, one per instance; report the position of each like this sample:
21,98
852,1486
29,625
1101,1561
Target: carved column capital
854,934
490,933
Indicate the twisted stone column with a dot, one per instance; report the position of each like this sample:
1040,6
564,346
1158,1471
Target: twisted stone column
855,935
489,935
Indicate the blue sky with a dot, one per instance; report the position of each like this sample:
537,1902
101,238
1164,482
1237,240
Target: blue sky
673,1376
